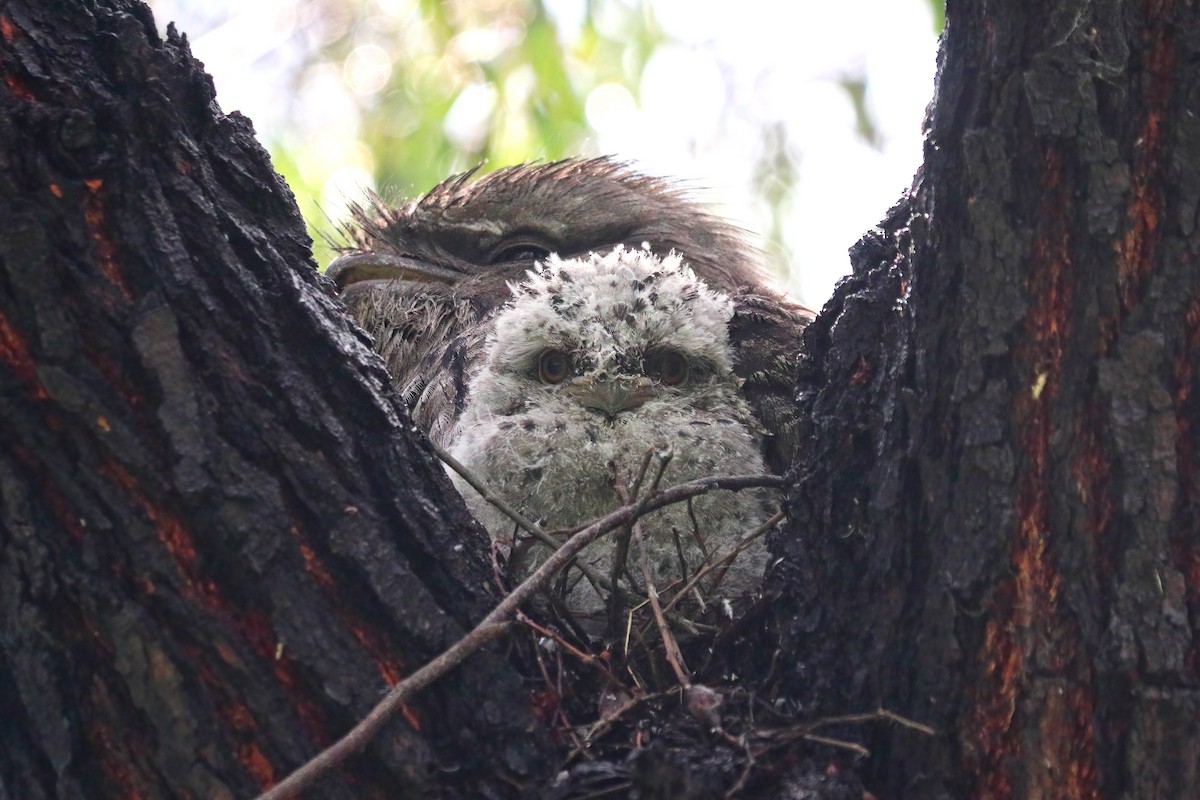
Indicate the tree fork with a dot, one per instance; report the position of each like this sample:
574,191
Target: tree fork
220,541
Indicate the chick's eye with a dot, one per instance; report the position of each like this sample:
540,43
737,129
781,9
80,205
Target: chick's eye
669,366
519,251
553,366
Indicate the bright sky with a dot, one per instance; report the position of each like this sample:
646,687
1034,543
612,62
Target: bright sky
733,69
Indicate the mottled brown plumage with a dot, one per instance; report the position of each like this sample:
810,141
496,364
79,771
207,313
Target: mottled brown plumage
421,277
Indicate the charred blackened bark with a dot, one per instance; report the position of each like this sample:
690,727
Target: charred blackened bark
219,540
996,524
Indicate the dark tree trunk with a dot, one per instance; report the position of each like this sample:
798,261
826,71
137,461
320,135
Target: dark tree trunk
997,523
220,539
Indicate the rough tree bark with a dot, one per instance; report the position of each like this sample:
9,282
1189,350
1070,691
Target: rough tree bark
220,539
997,519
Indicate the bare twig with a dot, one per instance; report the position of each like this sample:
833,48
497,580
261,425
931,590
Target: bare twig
621,550
616,602
537,531
664,460
873,716
807,731
641,474
585,657
681,559
602,725
670,646
853,747
564,723
906,722
495,623
743,779
742,544
697,536
726,561
490,496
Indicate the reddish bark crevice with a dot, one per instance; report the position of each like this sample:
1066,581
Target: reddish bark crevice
240,723
116,763
8,31
105,249
14,351
1138,247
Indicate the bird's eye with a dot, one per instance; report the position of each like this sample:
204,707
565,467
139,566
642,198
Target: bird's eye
519,251
669,366
553,366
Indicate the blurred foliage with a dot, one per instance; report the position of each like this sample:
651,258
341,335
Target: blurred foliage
938,7
440,86
395,95
775,177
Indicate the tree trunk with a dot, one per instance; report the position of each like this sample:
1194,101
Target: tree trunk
997,524
220,539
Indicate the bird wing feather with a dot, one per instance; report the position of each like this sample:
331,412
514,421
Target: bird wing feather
765,336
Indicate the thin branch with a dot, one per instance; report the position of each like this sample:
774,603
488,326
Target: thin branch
664,460
738,548
853,747
906,722
873,716
616,601
537,531
637,481
586,658
670,646
495,623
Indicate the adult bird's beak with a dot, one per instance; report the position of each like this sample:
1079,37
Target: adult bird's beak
358,267
613,395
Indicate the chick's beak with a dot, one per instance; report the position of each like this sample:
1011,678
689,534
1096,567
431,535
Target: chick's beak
611,396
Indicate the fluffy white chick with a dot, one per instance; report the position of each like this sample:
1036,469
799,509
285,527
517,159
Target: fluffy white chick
594,361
